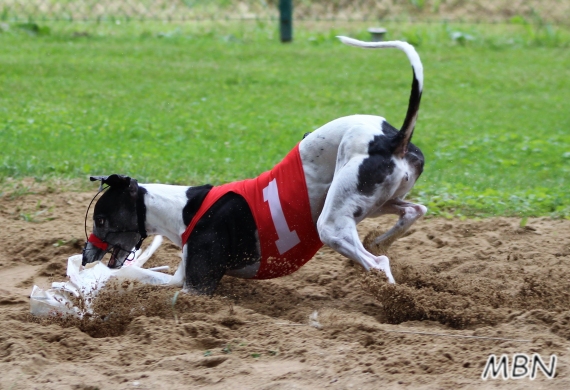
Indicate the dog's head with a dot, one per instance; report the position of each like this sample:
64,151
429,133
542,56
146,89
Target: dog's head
117,224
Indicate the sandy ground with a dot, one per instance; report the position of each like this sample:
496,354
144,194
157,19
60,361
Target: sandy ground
486,278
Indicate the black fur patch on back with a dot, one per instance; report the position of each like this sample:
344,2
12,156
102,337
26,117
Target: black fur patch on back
378,165
195,197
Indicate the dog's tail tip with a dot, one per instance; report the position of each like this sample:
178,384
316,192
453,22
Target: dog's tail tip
351,41
367,45
355,42
417,84
407,48
402,45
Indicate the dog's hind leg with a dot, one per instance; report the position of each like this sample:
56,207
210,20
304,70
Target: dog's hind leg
343,237
408,212
344,207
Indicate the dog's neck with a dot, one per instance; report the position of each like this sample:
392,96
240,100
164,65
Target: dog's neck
164,205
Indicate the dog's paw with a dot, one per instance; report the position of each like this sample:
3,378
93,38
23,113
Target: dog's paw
414,211
421,209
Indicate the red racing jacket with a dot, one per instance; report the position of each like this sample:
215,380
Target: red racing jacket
279,202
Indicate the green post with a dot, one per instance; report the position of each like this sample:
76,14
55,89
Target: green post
286,20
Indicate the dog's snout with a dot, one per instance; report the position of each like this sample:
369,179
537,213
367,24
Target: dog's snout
91,254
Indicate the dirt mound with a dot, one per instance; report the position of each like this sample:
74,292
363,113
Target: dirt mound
464,300
450,306
466,289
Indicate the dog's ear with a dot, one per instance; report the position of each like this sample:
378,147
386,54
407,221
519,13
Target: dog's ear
114,180
100,178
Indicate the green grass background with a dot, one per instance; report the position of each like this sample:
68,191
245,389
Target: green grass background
215,102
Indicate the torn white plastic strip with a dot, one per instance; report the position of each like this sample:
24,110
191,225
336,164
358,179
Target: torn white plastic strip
86,282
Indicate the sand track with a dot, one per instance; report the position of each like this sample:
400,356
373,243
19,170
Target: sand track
488,278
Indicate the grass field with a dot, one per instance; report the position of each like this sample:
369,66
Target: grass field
207,102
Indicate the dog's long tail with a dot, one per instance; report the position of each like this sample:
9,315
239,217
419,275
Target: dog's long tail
405,134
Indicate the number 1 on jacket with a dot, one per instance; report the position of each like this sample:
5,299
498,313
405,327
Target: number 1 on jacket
287,238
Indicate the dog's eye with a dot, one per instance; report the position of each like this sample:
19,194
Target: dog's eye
99,222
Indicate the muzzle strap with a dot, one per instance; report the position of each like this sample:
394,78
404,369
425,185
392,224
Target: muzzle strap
97,242
141,216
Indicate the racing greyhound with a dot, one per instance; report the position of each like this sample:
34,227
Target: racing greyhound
352,168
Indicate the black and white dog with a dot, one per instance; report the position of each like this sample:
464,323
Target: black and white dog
352,168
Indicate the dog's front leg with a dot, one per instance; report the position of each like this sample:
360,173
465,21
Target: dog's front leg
180,275
408,212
